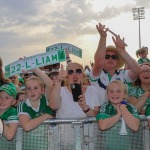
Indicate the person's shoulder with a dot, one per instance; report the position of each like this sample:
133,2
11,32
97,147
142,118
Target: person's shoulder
10,110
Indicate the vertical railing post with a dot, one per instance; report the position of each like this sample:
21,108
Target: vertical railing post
78,133
146,135
19,138
53,138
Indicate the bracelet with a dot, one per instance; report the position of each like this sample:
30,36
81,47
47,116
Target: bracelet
68,61
85,111
67,57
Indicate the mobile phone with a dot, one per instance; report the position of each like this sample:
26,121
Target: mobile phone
76,91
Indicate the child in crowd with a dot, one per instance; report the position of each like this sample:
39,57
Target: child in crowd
21,96
7,113
142,54
34,110
111,112
21,84
14,79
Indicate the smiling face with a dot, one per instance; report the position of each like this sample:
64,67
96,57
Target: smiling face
116,92
145,75
6,101
75,73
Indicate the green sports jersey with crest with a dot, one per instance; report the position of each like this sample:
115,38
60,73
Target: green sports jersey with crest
10,115
107,110
25,107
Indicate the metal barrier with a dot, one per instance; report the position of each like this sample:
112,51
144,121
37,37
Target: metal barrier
78,134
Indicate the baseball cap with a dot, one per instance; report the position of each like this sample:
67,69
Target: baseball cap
10,89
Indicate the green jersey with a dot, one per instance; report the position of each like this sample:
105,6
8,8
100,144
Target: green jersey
138,92
26,108
10,115
112,135
107,110
141,60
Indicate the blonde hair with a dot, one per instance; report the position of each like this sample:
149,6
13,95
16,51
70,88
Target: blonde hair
76,64
122,86
142,51
35,78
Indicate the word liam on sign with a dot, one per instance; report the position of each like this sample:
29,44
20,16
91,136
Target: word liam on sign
35,61
71,48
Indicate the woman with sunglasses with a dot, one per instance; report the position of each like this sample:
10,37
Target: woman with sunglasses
62,100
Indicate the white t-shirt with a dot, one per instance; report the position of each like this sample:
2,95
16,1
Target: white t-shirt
100,82
71,109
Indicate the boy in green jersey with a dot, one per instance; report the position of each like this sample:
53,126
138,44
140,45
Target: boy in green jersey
7,113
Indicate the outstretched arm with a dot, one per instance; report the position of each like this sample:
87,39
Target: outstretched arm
47,81
135,68
55,98
99,56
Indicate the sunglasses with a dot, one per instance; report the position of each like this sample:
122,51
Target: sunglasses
114,57
78,71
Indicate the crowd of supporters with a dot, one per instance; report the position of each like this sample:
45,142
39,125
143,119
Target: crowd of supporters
114,86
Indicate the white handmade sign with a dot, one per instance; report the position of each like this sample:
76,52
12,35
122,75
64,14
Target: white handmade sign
71,48
35,61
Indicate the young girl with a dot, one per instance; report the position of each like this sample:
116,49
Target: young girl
34,110
113,110
7,113
142,54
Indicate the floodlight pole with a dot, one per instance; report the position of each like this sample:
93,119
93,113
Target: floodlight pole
138,14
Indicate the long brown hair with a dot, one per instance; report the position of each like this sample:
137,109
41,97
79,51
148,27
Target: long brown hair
138,80
3,80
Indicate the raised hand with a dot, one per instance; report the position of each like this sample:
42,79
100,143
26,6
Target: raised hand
119,43
102,30
62,74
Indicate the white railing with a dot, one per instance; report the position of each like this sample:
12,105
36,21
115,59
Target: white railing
75,134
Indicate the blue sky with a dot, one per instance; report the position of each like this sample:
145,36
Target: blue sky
28,27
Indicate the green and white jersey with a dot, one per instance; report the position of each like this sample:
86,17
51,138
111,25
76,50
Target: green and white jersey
101,81
112,135
108,110
10,116
138,92
25,107
141,60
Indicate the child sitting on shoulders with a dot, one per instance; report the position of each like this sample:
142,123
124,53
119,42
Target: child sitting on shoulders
142,54
8,114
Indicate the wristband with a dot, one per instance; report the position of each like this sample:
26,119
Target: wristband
68,61
85,111
67,57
